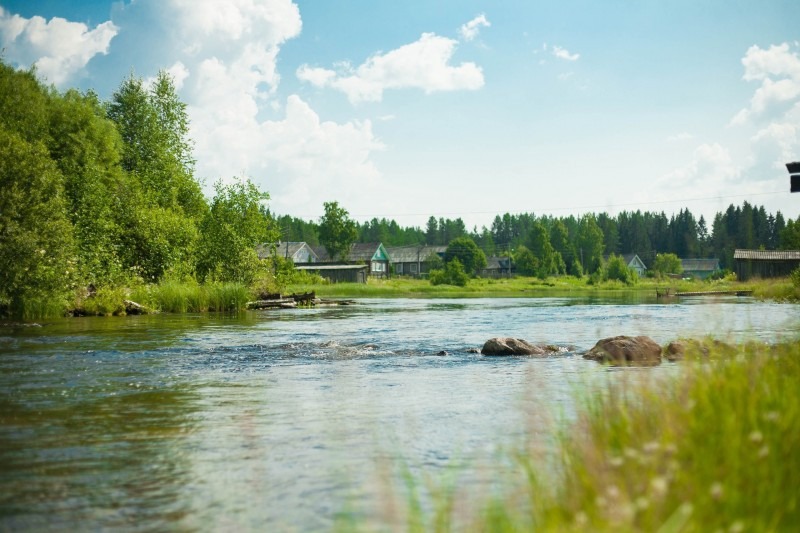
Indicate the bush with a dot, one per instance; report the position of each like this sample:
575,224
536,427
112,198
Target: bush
453,274
795,277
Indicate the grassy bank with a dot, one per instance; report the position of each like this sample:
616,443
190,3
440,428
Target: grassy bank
780,289
711,449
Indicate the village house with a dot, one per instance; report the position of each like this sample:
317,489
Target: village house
765,263
298,252
700,268
497,267
414,260
634,262
373,255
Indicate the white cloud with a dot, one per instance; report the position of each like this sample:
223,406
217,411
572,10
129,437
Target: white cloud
60,49
423,64
710,171
471,29
778,69
678,137
563,53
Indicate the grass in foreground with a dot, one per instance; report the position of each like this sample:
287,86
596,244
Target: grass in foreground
711,449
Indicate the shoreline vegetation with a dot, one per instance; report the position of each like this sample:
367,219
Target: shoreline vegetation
190,296
709,448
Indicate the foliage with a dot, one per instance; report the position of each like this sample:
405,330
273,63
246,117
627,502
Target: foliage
790,235
795,277
37,260
337,232
616,269
590,244
526,263
234,225
667,264
472,258
453,274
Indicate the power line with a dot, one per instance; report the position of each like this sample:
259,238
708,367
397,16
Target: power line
571,208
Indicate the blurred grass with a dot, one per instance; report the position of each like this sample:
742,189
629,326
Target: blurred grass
711,448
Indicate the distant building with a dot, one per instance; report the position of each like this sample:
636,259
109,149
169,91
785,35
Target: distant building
337,273
633,262
700,268
765,263
413,260
497,267
299,252
374,255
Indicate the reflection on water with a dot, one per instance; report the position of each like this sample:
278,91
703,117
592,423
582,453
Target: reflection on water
283,419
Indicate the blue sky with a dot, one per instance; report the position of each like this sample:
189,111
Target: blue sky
456,108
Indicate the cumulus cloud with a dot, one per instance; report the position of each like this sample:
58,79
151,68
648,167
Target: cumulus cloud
423,64
471,29
778,70
60,49
711,170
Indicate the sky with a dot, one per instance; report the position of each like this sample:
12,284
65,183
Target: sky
455,108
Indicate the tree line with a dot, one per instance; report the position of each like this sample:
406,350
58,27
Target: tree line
96,194
584,241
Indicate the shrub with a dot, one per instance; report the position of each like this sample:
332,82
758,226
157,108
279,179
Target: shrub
453,274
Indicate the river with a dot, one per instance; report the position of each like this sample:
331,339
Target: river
286,420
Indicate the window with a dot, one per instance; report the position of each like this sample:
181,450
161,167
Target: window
378,267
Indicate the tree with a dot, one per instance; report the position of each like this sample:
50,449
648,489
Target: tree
453,274
616,269
590,244
667,264
36,245
235,224
549,262
337,232
526,262
468,254
790,235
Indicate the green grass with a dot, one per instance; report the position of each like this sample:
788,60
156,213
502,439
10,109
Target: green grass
713,448
527,286
192,297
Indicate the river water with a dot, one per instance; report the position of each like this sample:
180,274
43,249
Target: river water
286,420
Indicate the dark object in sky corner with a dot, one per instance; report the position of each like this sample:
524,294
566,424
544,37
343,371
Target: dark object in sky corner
794,170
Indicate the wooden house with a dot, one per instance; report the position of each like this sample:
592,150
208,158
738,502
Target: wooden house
373,255
634,262
413,260
337,273
298,252
497,267
765,263
700,268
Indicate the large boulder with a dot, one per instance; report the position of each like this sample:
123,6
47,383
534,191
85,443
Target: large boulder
509,346
624,350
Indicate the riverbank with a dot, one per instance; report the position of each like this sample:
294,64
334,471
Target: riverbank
780,289
712,448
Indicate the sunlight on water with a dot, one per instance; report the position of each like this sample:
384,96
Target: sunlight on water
283,419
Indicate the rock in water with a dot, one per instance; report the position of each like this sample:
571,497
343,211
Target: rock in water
509,346
623,350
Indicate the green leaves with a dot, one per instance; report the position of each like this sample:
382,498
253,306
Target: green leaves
337,232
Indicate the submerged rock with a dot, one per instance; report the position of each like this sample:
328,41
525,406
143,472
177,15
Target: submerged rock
510,346
641,350
694,349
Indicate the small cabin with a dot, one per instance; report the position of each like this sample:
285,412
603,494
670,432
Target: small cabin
415,260
634,262
373,255
765,263
298,252
700,268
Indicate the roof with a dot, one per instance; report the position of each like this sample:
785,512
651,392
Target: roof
498,263
319,266
413,253
629,258
264,250
359,251
700,265
768,255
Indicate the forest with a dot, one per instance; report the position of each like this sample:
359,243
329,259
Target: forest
97,194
